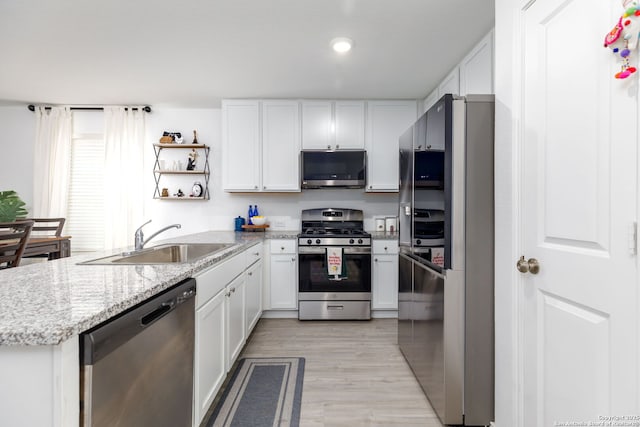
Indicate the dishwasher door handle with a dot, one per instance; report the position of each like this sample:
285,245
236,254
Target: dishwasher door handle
158,313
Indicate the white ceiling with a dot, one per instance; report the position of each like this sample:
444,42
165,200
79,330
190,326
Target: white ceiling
192,53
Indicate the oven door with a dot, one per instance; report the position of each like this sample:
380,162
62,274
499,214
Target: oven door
315,282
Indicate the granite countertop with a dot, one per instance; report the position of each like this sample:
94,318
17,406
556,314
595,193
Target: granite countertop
46,303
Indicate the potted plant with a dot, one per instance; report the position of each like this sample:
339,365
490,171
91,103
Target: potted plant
11,206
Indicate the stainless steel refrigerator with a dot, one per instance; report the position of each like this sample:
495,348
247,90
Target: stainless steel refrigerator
446,274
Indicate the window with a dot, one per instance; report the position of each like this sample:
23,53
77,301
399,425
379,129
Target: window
85,206
85,221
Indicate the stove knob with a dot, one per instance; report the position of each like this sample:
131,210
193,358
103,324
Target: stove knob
360,241
418,242
309,241
351,241
318,241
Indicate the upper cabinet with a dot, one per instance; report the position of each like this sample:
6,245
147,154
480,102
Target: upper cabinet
241,165
386,121
280,146
451,83
260,145
476,69
473,75
333,125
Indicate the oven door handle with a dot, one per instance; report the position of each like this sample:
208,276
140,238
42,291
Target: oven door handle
323,249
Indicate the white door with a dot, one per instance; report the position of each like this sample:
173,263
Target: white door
241,145
579,136
283,282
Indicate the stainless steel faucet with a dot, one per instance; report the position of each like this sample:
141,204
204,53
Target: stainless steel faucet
139,236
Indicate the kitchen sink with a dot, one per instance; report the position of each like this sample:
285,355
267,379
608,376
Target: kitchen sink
175,253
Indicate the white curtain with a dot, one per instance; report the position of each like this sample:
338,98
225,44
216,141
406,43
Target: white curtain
51,162
124,133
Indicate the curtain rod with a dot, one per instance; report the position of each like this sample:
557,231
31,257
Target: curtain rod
32,107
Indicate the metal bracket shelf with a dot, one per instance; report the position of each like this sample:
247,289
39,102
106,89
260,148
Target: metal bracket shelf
158,173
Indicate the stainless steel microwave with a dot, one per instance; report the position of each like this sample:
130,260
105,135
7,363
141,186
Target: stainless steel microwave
333,169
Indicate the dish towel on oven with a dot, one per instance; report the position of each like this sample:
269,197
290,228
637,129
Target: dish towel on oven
336,268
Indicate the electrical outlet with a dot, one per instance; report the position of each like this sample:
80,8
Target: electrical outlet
279,224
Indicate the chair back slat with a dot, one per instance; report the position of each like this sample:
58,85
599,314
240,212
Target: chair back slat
45,226
13,240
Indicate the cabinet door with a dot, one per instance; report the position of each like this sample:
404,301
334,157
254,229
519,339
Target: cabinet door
241,145
209,355
387,120
476,69
316,125
283,282
234,319
280,146
450,84
428,102
385,282
349,125
253,296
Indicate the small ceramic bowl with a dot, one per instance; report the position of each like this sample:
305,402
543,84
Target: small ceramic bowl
259,220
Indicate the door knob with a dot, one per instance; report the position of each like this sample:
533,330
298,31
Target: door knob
528,266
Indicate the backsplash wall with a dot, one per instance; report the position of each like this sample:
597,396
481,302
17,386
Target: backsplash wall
282,209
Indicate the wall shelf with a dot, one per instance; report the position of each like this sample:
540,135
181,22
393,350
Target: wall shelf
205,172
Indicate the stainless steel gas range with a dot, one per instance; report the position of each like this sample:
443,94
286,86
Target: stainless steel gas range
343,296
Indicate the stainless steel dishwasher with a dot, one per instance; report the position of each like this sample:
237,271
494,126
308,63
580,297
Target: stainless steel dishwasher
137,369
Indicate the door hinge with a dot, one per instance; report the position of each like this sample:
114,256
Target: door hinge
632,235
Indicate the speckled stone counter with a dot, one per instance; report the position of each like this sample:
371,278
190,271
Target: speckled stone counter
46,303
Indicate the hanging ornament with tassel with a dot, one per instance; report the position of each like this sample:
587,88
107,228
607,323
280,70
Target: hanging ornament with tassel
623,38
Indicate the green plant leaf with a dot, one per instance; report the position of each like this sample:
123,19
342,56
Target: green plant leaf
11,206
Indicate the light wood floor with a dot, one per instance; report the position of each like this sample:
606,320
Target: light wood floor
355,374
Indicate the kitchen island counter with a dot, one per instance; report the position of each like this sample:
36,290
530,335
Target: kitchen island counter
47,303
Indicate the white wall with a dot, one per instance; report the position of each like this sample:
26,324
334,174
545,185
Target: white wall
16,172
17,125
283,209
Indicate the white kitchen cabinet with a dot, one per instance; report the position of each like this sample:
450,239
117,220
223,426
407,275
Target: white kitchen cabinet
386,121
234,320
210,354
220,323
241,155
280,145
428,102
317,117
333,125
283,275
476,69
384,286
253,296
450,84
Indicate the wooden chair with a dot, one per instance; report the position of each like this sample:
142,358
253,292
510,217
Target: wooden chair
47,226
13,240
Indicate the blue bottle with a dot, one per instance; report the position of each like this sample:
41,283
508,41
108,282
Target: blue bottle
249,215
255,210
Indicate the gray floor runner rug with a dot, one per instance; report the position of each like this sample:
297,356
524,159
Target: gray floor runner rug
262,392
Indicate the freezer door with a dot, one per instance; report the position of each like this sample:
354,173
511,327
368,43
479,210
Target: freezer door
437,312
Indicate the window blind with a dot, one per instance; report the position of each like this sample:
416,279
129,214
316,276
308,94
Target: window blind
85,221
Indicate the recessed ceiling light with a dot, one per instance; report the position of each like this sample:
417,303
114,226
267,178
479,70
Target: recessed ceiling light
341,44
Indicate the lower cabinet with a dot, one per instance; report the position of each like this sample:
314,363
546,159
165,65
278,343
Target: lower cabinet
234,319
253,296
228,306
384,275
283,275
210,363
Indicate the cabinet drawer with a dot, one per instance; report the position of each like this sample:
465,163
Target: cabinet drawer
213,280
253,254
283,246
385,247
